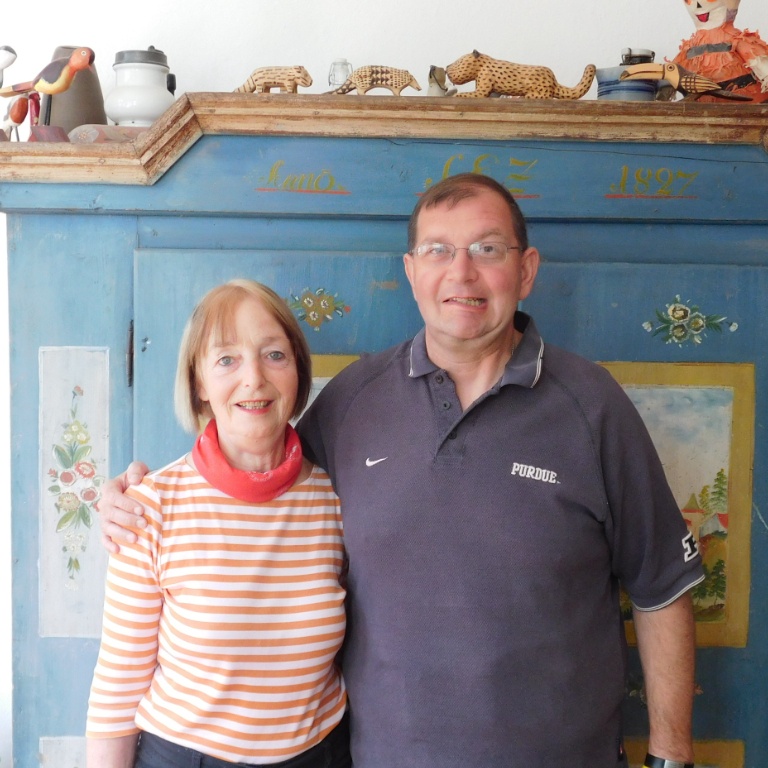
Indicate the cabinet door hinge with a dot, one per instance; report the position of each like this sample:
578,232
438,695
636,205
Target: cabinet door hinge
129,356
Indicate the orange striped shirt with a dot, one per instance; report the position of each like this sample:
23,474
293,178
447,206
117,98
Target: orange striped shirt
222,624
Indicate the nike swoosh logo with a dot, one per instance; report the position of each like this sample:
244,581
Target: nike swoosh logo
372,462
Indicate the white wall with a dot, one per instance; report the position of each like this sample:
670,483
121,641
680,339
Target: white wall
214,47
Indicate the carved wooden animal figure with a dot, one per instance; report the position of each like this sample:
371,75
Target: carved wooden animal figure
436,83
494,76
365,78
286,79
691,85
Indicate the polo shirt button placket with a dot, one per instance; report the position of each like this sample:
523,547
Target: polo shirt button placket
440,381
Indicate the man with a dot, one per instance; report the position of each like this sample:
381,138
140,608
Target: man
495,491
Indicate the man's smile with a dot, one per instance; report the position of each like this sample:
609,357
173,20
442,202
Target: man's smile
469,301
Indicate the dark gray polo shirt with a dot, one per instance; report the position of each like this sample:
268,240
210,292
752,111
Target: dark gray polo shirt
485,552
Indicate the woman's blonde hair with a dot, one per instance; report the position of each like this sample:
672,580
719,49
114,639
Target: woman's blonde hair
211,321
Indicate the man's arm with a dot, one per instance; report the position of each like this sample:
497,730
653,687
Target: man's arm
111,753
666,639
117,512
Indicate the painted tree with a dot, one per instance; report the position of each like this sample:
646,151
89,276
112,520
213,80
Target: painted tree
700,592
704,499
720,493
717,582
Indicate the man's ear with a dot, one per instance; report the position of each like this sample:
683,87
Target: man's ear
408,264
529,267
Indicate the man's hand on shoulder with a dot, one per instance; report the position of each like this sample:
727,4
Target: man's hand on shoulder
117,512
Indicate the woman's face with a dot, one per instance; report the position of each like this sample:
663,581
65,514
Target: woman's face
250,382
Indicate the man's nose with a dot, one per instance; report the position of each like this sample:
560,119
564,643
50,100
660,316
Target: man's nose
462,264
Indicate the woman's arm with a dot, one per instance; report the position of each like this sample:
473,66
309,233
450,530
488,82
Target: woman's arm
133,604
111,753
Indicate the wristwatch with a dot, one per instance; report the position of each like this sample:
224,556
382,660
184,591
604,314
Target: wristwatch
651,761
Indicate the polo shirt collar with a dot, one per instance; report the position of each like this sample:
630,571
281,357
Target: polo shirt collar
523,369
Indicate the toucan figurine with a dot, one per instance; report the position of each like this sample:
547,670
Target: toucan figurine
682,80
56,77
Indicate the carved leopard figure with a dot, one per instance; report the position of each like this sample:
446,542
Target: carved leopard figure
377,76
494,76
286,79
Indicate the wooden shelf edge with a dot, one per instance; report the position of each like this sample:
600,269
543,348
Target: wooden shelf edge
193,115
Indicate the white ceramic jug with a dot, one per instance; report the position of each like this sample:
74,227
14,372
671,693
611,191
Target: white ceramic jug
141,92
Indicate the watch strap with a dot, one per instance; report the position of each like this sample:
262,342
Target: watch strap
651,761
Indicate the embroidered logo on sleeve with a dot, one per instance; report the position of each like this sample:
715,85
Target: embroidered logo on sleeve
690,548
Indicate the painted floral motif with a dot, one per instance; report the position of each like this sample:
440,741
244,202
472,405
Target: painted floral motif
75,485
317,307
682,322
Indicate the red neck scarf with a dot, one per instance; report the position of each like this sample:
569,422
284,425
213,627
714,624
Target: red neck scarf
242,484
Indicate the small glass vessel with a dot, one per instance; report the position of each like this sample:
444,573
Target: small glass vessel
341,69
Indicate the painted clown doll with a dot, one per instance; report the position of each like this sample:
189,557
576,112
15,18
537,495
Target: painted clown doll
736,59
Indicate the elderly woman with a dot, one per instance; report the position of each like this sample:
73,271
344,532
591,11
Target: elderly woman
223,621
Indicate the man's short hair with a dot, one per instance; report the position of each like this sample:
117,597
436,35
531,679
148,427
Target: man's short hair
454,189
212,320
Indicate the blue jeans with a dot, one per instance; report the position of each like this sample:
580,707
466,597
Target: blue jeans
331,752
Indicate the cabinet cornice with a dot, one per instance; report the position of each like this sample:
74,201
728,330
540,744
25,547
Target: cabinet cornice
145,160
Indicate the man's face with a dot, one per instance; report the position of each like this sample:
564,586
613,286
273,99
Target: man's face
460,301
711,14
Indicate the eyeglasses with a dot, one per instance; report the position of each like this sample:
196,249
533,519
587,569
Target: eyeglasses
482,254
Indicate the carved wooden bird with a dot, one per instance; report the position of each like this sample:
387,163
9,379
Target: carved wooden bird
682,80
14,115
56,77
7,57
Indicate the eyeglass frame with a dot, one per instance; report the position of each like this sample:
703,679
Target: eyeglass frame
473,257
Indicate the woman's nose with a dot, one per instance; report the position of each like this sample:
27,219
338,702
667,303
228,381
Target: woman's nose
252,373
